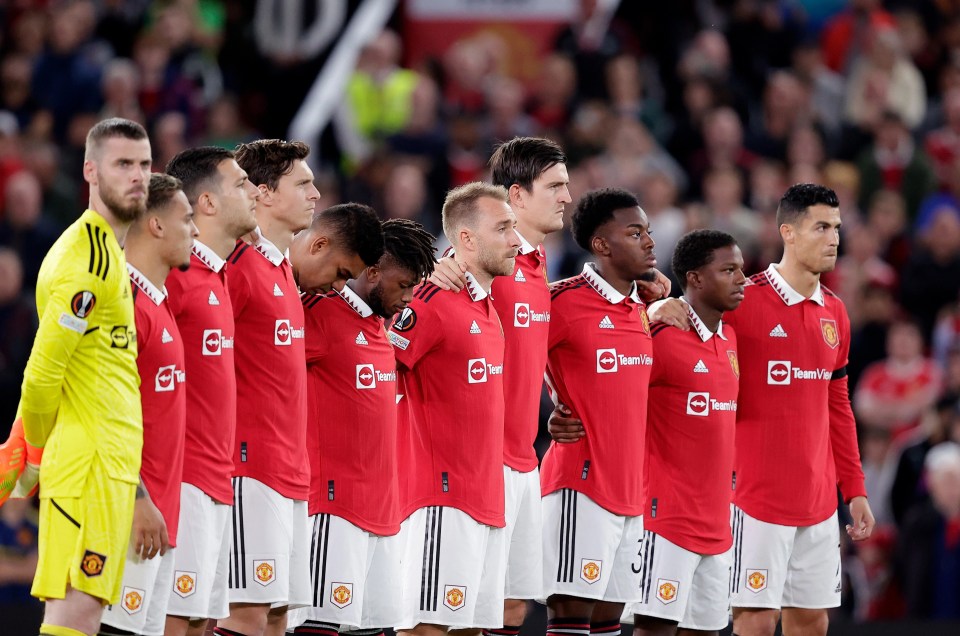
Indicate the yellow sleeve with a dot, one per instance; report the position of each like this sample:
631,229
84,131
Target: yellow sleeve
67,307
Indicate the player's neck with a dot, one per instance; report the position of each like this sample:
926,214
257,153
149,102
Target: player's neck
801,279
709,316
610,274
275,232
530,235
147,263
221,244
119,227
484,280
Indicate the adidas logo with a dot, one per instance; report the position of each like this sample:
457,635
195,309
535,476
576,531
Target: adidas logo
474,327
360,339
700,367
276,290
778,332
213,300
606,323
519,277
165,337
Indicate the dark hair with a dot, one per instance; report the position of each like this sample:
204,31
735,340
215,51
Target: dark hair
410,245
163,187
266,160
795,201
356,227
197,167
109,128
695,249
522,160
594,209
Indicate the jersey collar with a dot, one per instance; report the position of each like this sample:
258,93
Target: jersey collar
788,294
702,331
269,251
525,246
148,288
604,288
477,293
208,257
356,303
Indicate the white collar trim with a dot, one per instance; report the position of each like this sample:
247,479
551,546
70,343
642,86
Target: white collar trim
788,294
148,288
269,251
208,257
477,293
702,331
356,303
525,246
604,288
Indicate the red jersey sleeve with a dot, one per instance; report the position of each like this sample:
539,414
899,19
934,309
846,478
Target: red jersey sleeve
315,343
239,290
843,427
415,332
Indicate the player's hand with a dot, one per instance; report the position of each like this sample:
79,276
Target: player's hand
449,274
863,521
13,460
564,428
650,291
671,311
149,533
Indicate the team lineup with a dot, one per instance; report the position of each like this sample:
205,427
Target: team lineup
241,410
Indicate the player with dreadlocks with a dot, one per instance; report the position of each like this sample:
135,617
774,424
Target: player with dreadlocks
352,439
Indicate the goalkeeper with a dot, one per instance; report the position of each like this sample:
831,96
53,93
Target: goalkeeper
80,404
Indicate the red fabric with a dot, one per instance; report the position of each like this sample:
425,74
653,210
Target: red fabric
691,428
839,36
450,432
602,374
160,361
201,305
524,310
795,426
271,442
351,415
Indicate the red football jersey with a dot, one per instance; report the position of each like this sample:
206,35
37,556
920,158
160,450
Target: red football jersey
449,349
160,362
796,436
271,444
599,362
523,304
351,412
691,428
201,306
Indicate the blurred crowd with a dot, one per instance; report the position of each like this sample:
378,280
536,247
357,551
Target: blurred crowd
707,109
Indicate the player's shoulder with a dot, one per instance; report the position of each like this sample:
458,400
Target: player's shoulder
830,296
562,288
240,254
663,331
428,292
318,301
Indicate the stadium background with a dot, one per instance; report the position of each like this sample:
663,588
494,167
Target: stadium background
708,109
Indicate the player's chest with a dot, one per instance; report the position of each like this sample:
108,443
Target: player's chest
792,344
712,367
523,301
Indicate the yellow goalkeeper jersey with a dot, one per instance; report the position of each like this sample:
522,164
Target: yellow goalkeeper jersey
81,395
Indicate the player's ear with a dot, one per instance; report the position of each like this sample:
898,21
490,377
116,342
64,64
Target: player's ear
599,245
155,226
786,233
466,239
516,196
206,204
266,194
90,172
693,279
373,274
318,243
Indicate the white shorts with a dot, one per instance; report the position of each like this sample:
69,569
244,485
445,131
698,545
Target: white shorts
199,585
682,586
588,552
524,534
778,566
453,570
270,547
143,599
354,577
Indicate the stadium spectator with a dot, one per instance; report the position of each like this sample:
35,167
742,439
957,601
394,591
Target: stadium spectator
24,228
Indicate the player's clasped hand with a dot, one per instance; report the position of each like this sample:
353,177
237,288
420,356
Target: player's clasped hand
149,530
449,275
863,521
563,426
671,311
